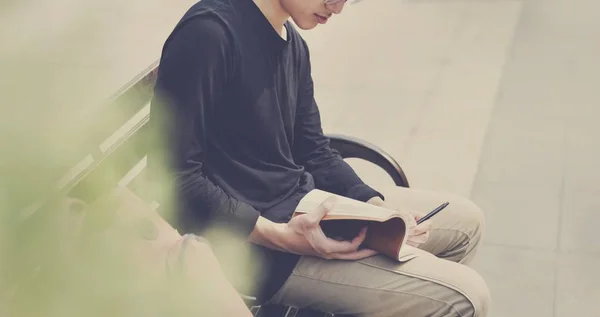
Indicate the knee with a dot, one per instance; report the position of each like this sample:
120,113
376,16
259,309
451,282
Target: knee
475,296
472,219
477,221
480,298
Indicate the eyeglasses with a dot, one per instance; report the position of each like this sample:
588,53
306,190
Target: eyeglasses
333,1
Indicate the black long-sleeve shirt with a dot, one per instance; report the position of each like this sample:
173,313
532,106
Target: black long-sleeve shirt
245,135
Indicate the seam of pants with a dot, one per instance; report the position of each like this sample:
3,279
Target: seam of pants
430,280
468,239
394,291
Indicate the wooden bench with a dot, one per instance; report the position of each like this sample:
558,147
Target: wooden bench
119,144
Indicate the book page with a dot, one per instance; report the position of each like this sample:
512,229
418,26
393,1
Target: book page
344,208
407,252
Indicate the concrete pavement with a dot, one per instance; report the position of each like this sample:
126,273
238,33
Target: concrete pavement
496,100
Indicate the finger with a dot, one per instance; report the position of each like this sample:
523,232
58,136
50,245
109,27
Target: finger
411,222
422,228
360,237
318,214
356,241
327,246
420,239
418,231
416,234
356,255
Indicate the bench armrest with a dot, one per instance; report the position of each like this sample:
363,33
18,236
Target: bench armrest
250,300
350,147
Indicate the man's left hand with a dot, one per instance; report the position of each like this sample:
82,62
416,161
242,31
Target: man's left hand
416,234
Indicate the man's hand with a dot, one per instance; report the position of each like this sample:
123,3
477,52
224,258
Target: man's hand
416,234
303,235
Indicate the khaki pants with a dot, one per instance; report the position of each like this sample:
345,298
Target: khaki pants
436,283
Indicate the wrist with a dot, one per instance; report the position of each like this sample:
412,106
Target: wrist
268,234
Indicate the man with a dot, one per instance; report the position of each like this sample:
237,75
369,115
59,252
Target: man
245,141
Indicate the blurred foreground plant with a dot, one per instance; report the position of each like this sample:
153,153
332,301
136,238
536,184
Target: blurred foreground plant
46,267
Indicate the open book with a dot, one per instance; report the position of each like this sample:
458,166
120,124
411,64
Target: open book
386,231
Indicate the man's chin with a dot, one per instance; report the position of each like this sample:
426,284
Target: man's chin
305,24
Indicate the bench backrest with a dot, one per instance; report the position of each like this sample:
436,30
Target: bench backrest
119,138
116,156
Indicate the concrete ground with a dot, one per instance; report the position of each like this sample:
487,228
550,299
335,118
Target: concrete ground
496,100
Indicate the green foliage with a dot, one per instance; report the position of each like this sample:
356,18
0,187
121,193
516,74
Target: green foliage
59,261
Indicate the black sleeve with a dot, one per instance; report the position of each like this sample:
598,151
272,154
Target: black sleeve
312,148
192,77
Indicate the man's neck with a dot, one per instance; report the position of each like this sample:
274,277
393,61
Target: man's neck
275,13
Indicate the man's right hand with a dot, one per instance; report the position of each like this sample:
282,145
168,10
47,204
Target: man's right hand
303,235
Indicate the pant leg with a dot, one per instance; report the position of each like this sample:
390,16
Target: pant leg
456,231
425,286
435,284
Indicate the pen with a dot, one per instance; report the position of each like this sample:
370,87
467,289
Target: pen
433,212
